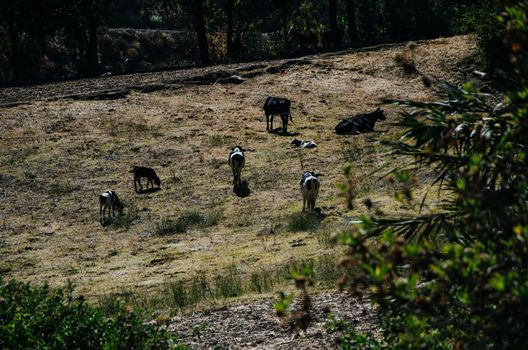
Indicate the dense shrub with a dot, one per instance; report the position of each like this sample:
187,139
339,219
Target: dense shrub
455,277
39,317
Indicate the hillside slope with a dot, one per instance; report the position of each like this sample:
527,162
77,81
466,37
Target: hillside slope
62,144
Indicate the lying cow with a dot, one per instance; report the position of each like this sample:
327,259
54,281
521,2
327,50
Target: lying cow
149,173
236,162
310,189
109,200
360,123
277,106
304,143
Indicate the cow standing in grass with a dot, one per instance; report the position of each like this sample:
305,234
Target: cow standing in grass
109,200
149,173
310,189
236,162
277,106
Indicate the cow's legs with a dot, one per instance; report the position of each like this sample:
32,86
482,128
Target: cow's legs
284,118
267,122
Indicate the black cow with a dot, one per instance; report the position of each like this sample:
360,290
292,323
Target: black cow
280,106
149,173
360,123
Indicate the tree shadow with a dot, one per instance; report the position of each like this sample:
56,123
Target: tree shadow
149,190
242,190
278,131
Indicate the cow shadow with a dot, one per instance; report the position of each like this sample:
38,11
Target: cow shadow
278,131
317,212
242,190
149,190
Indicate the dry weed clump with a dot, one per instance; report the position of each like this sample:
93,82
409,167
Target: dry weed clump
406,58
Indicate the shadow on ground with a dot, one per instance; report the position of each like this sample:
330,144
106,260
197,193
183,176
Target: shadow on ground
278,131
149,190
242,190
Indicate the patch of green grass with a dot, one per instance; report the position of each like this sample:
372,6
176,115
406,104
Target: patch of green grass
187,221
168,226
243,220
127,218
61,188
216,140
303,221
325,239
179,294
14,156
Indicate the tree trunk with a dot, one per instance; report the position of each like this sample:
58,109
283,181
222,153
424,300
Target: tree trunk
14,62
351,19
199,26
13,57
397,23
92,51
332,15
228,7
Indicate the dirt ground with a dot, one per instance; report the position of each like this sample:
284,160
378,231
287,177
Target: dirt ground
255,326
62,144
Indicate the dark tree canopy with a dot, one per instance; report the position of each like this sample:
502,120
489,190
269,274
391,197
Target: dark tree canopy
68,39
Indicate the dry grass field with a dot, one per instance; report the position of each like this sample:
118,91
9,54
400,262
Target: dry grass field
57,154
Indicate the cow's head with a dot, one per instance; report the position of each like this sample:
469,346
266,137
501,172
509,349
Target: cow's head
296,142
379,114
119,206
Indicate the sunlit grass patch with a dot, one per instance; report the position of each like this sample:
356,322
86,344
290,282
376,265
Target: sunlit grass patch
303,221
187,221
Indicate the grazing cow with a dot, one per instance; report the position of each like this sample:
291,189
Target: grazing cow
303,143
280,106
109,200
310,189
360,123
236,162
149,173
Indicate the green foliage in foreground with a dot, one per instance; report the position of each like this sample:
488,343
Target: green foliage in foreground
39,317
455,277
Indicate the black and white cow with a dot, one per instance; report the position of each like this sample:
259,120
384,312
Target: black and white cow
277,106
149,173
360,123
304,143
236,162
109,200
310,189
